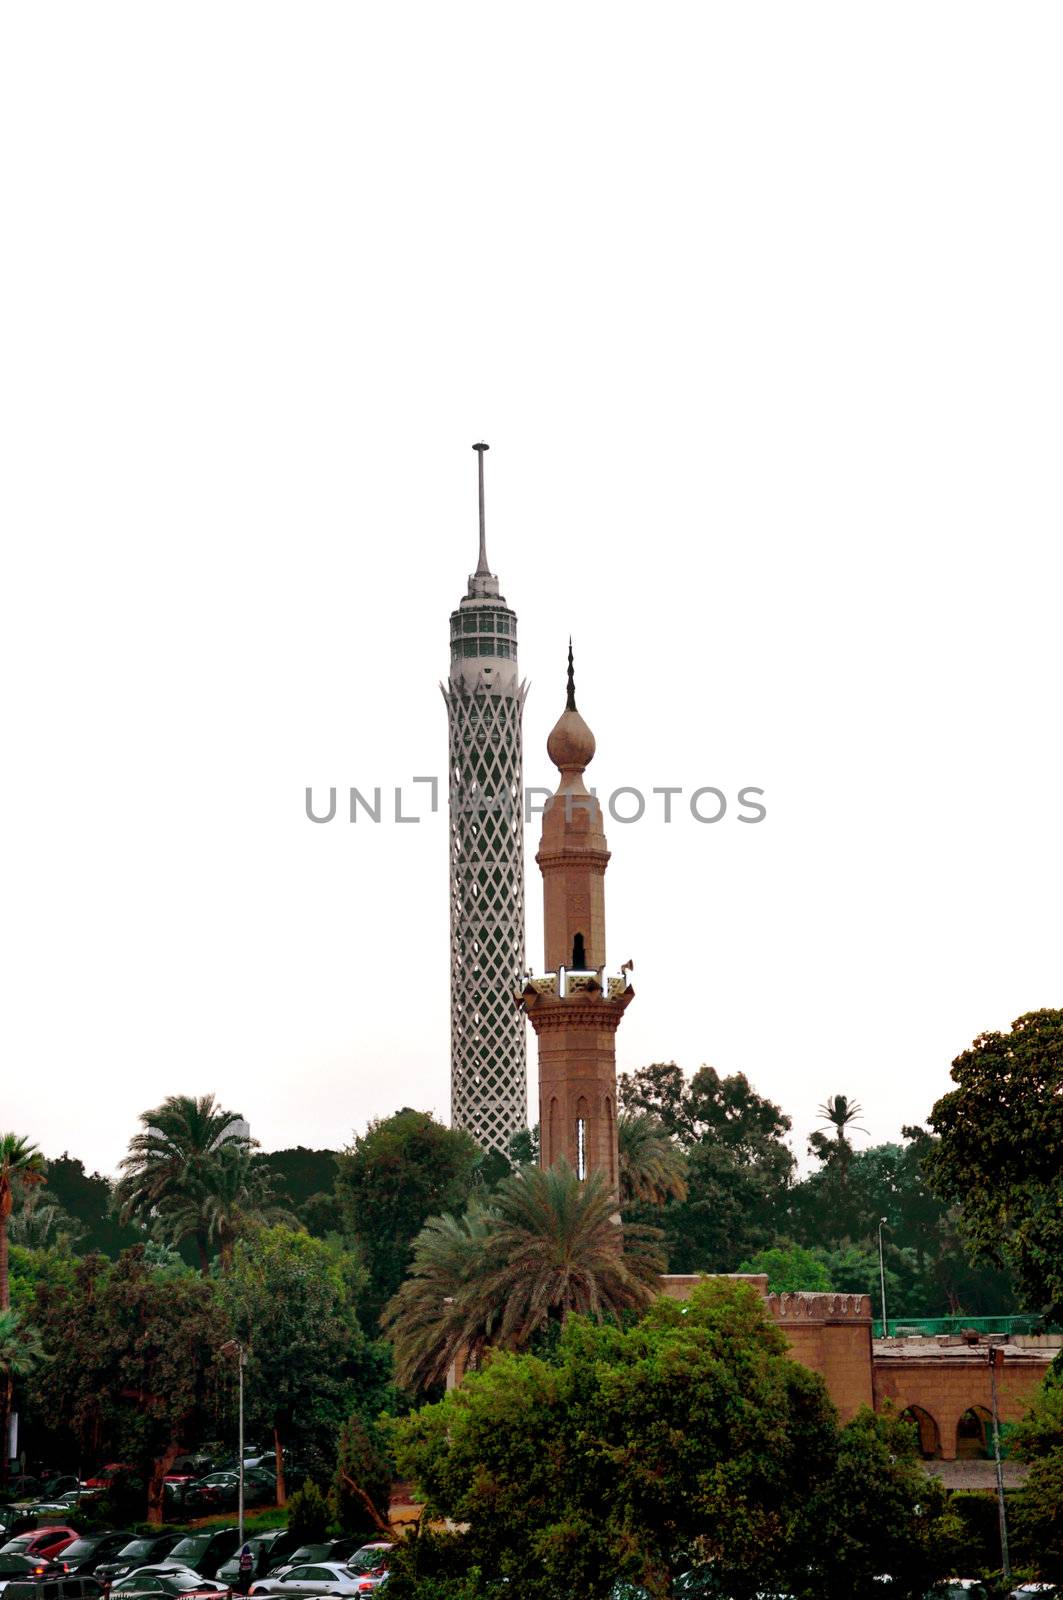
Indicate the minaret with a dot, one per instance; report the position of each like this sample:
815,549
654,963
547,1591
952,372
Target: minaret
485,703
575,1008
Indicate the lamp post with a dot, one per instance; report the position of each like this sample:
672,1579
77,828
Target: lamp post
882,1277
233,1347
996,1363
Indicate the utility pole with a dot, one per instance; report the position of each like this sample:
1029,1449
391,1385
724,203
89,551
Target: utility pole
996,1364
882,1278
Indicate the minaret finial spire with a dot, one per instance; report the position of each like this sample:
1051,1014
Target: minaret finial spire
570,703
482,569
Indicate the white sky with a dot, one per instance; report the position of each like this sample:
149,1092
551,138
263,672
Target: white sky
759,309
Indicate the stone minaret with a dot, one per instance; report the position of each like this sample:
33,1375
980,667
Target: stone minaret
485,703
575,1008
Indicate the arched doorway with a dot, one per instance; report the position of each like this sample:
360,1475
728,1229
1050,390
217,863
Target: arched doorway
974,1438
929,1436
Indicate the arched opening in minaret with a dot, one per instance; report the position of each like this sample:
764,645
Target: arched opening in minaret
581,1138
610,1140
579,954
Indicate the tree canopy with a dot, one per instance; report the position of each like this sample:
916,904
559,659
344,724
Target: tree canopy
546,1246
999,1155
689,1439
391,1179
290,1300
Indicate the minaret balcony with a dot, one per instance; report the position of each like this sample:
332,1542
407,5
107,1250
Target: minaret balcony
568,983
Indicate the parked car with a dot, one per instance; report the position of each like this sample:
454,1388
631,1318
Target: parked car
204,1551
169,1583
17,1566
40,1542
71,1586
137,1553
269,1549
86,1552
60,1483
218,1492
371,1564
328,1550
321,1578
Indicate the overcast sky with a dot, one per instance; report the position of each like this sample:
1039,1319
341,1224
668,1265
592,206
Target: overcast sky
759,310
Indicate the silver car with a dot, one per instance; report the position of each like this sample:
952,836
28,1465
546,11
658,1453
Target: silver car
323,1577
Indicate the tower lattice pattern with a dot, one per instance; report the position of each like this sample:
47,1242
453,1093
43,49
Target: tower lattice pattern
487,1032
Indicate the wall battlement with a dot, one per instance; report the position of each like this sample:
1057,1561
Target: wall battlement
809,1307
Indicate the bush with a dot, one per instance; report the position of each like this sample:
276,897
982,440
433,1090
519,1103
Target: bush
978,1549
308,1514
434,1565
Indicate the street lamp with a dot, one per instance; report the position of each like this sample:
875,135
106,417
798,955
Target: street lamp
233,1347
996,1364
882,1277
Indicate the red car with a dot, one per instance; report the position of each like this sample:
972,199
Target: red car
42,1542
106,1475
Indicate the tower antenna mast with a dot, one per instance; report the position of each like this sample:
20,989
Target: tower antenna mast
482,569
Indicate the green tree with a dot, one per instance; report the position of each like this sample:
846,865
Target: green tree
299,1174
39,1221
1038,1505
424,1319
687,1438
89,1199
652,1166
523,1147
790,1268
21,1352
999,1155
361,1485
725,1110
738,1169
172,1176
839,1113
237,1196
291,1301
929,1273
391,1179
133,1363
30,1269
309,1515
548,1246
21,1168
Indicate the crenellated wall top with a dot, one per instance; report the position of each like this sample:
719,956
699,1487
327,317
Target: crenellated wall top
809,1307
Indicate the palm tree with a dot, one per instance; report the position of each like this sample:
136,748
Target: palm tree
41,1221
652,1166
20,1352
839,1112
239,1197
174,1166
549,1246
424,1318
22,1165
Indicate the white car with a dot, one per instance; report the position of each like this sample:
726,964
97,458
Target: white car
323,1577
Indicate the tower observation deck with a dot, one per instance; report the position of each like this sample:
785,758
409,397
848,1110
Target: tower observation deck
485,705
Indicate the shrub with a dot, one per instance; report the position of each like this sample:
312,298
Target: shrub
308,1513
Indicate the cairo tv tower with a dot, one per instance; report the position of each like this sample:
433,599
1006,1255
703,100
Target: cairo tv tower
485,705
